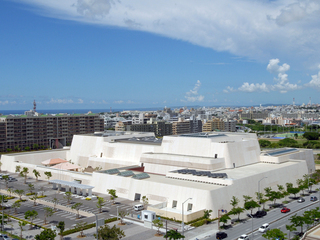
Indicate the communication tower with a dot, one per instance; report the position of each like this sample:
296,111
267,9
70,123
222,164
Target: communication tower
34,106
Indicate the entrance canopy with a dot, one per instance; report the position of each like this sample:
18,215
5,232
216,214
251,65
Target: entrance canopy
72,185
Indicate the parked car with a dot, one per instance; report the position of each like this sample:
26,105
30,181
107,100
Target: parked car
221,235
313,198
243,237
12,179
285,210
259,214
300,200
265,227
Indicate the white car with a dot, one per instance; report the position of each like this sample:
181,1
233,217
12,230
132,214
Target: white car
243,237
264,228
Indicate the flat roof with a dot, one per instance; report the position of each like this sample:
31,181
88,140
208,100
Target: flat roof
232,173
71,184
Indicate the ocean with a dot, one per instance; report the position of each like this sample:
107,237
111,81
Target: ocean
73,111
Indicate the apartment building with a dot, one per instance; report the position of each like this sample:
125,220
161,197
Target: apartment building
220,125
180,127
45,130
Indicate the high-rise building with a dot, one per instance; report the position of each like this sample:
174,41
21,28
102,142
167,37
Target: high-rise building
52,131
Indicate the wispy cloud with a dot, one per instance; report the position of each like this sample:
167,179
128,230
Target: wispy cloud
193,95
118,102
241,27
315,81
60,101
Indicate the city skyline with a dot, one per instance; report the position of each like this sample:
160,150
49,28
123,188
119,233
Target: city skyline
82,54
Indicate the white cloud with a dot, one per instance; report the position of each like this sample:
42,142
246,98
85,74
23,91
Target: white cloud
282,83
118,102
193,95
315,81
241,27
253,87
273,66
130,102
229,89
80,101
4,102
60,101
297,11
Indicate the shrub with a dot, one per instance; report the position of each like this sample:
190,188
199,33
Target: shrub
88,199
42,196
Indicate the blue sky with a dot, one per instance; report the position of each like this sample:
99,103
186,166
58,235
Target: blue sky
136,53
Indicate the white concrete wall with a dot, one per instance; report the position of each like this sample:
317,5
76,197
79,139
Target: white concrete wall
9,161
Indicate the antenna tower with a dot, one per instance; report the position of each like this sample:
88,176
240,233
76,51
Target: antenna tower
310,101
293,103
110,109
34,106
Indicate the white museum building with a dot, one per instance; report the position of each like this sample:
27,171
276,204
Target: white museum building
204,170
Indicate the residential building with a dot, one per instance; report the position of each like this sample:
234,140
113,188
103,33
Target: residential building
52,131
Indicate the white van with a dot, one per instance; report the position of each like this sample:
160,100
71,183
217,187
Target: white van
138,207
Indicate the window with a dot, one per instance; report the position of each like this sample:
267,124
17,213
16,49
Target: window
146,216
189,206
174,204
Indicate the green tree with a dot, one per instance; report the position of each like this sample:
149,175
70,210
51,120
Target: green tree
81,226
31,188
145,201
55,202
224,219
48,175
246,198
297,221
61,226
21,225
46,234
34,198
109,233
48,212
77,207
24,173
311,135
293,191
36,174
264,143
236,211
172,234
19,192
113,194
122,214
6,179
10,191
35,146
68,196
18,168
27,148
32,215
291,228
250,205
101,202
234,201
274,234
16,205
158,224
17,148
207,213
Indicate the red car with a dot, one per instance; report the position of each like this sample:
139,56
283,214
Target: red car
285,210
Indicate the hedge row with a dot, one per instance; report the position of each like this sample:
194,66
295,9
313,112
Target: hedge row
88,226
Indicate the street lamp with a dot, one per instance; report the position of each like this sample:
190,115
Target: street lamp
251,222
259,190
182,224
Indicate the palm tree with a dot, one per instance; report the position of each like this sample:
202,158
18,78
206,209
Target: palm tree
36,174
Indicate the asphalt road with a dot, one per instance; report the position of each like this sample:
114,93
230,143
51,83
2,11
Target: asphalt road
275,218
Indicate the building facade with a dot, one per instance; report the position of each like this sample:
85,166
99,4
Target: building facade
54,131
